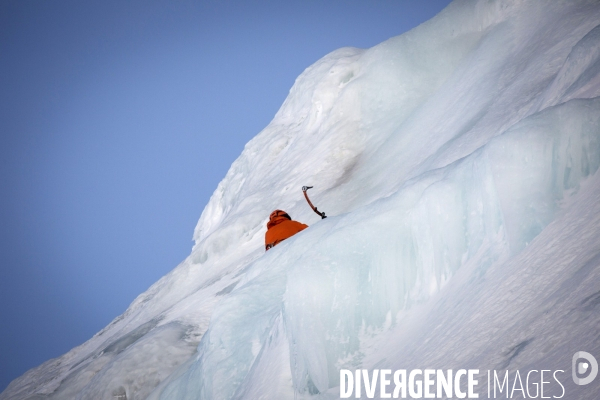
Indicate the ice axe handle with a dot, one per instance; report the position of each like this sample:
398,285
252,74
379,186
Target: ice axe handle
321,214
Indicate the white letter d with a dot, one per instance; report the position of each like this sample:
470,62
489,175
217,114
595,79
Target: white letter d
346,391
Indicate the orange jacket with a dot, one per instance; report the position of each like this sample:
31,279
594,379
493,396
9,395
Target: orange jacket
281,227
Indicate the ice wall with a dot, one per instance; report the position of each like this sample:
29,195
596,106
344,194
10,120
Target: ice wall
353,274
453,145
450,160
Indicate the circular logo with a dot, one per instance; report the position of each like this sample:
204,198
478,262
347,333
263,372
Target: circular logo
584,372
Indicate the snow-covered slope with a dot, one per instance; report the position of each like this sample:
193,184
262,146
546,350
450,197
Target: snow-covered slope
458,163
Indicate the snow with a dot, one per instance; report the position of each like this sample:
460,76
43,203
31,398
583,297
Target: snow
458,166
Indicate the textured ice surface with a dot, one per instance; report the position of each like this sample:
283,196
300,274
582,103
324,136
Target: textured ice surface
458,163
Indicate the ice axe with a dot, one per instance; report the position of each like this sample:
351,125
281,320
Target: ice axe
321,214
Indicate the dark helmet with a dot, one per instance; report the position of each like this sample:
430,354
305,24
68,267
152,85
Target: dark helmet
279,213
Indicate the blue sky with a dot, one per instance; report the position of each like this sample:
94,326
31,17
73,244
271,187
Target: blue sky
118,120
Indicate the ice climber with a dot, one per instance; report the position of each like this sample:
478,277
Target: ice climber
280,227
